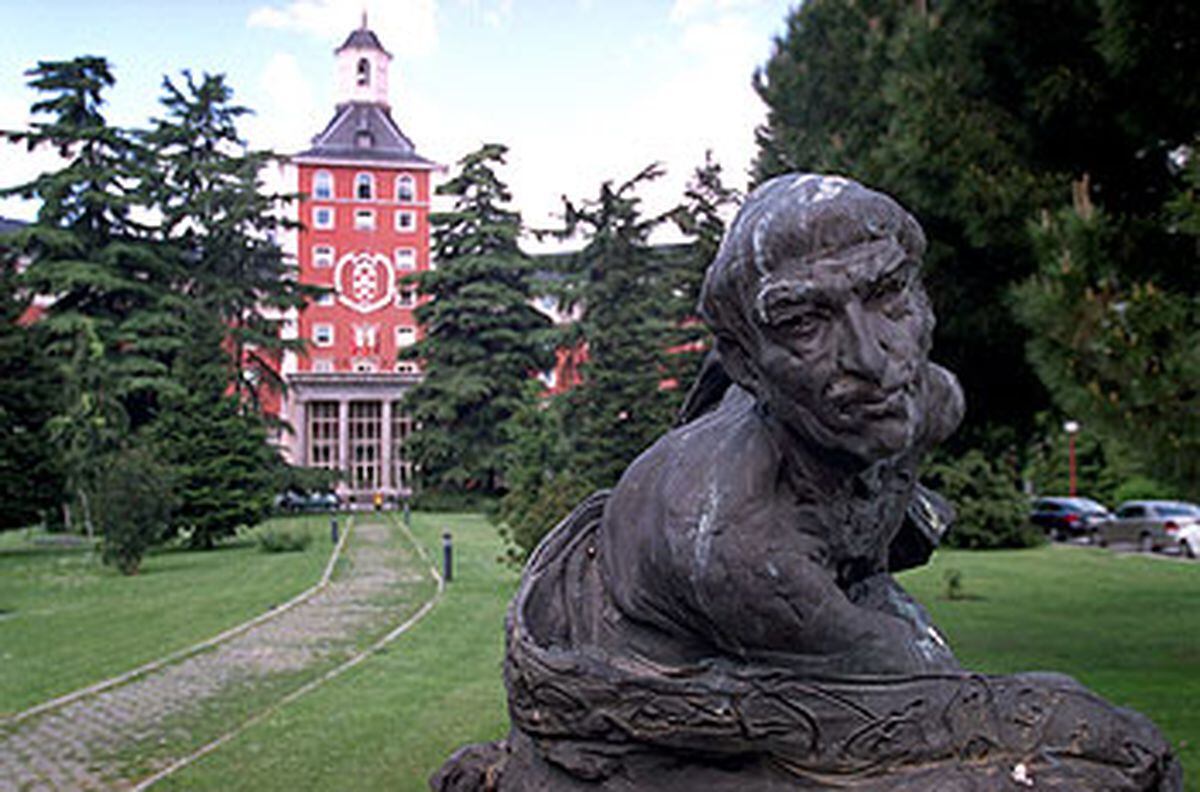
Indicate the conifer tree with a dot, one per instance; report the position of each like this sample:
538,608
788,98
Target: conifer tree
483,338
701,218
220,223
623,286
112,327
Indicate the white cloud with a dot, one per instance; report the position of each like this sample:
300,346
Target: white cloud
684,10
494,13
284,121
408,26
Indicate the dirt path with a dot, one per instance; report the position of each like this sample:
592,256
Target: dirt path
97,742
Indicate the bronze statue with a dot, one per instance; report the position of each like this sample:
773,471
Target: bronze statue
727,619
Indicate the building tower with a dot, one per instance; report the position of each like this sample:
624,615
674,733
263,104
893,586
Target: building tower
364,233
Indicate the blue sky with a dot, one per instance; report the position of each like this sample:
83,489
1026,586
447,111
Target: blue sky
580,90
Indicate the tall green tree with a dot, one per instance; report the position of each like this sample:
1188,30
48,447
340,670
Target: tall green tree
483,338
112,327
707,201
220,223
623,286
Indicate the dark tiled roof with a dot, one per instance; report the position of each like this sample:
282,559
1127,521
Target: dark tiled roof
362,39
356,123
9,226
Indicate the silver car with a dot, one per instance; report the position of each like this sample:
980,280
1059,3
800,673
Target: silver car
1151,524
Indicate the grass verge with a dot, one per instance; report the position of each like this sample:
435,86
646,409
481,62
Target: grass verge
67,621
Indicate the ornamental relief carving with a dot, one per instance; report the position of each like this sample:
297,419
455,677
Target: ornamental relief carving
365,282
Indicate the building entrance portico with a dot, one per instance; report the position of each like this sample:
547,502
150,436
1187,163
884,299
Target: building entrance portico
356,425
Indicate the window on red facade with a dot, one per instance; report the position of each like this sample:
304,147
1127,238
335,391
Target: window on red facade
323,217
323,184
364,186
322,256
406,259
405,189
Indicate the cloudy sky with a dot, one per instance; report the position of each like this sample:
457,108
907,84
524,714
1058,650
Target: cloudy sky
580,90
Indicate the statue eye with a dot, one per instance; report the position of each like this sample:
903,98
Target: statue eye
891,296
803,325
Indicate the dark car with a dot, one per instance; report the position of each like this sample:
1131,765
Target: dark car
292,501
1062,518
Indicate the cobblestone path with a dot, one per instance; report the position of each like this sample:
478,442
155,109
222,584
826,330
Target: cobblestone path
88,744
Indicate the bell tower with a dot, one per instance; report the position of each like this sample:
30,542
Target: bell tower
363,238
362,66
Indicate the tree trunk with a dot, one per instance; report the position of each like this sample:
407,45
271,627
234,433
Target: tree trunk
87,514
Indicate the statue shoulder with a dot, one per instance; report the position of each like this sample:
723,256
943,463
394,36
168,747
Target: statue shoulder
725,455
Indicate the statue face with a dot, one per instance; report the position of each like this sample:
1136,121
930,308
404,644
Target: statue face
843,339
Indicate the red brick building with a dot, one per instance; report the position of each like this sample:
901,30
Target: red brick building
365,233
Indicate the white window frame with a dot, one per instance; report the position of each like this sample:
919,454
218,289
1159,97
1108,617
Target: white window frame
328,213
404,195
364,219
406,259
361,179
406,336
323,256
366,336
406,220
323,334
322,365
323,185
406,297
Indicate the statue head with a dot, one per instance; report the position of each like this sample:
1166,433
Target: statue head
818,310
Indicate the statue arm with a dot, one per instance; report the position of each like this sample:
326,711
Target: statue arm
786,605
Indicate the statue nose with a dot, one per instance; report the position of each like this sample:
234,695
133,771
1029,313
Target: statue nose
861,351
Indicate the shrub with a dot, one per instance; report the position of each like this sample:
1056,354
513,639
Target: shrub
992,512
133,503
527,515
1142,488
283,540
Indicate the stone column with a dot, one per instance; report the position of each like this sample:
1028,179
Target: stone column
385,450
344,442
299,421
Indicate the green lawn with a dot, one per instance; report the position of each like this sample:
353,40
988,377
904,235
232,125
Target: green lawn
1126,626
66,621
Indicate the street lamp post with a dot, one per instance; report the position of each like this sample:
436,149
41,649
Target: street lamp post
1072,429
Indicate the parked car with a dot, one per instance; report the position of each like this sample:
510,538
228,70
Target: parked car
1189,540
1151,525
1062,518
307,501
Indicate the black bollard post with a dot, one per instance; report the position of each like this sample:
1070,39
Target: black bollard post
447,557
333,530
